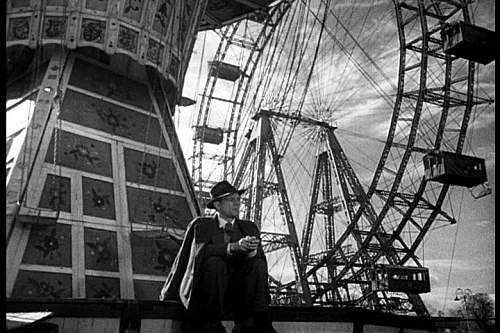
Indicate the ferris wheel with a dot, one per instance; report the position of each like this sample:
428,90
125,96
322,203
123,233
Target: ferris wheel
340,119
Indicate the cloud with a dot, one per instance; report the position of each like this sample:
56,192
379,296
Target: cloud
483,223
487,77
358,4
458,264
484,120
487,152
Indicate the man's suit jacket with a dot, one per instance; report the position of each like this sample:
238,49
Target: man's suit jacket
202,239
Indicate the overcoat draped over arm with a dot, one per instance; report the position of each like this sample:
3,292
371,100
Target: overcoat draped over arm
182,281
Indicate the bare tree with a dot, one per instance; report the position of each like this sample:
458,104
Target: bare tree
478,308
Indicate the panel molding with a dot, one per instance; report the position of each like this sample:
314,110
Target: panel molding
45,268
171,148
123,237
111,101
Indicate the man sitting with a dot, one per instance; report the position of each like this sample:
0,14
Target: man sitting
221,270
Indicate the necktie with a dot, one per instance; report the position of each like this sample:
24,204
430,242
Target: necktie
228,227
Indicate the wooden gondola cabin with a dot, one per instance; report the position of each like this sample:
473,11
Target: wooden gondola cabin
401,279
209,134
224,70
454,169
469,42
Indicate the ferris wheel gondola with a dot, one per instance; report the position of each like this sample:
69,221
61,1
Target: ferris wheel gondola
313,70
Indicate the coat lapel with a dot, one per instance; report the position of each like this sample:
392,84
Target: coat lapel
236,233
208,231
216,235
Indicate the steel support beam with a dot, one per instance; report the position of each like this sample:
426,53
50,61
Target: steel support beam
294,241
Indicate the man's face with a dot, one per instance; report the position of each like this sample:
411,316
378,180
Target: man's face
229,206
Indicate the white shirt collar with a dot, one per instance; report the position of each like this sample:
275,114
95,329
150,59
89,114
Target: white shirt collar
223,221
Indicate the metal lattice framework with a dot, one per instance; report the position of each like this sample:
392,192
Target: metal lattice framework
239,38
286,121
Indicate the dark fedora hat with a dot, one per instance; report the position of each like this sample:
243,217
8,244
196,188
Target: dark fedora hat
221,190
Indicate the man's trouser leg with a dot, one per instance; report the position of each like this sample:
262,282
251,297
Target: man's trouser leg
248,291
210,306
213,287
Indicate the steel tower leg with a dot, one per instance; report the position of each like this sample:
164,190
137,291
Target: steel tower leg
262,143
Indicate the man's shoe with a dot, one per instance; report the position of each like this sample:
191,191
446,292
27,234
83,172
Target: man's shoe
244,325
217,327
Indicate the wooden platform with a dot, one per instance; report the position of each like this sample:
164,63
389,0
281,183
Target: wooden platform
108,316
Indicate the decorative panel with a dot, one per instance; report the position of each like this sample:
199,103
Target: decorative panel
56,193
162,16
152,256
98,198
93,30
81,153
49,246
42,285
20,3
127,39
132,9
148,169
19,28
102,287
104,82
54,27
95,113
147,290
173,67
158,208
100,5
155,51
100,250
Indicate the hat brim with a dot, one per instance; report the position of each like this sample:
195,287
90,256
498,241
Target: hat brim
210,204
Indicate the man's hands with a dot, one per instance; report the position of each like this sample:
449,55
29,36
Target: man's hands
249,243
246,244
